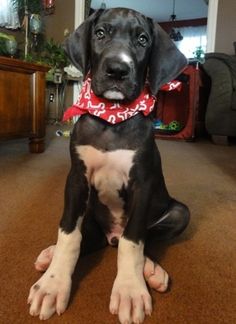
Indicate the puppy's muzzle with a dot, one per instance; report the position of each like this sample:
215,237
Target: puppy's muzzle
117,72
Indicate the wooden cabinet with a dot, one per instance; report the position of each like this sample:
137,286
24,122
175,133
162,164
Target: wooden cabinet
22,102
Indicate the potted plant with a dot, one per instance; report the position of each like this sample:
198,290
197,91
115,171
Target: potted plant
51,54
54,55
199,54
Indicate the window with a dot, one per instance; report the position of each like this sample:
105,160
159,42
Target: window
193,37
8,15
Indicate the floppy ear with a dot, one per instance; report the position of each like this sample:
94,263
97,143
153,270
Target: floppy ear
77,45
166,61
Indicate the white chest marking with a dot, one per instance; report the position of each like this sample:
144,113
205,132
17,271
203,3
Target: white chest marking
111,166
108,172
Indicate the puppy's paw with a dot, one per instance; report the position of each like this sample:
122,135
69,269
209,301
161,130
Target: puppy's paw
156,277
49,295
44,259
130,299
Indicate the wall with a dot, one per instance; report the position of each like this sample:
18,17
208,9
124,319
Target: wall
55,26
226,26
62,19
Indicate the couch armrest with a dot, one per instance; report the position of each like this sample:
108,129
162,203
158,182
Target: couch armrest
220,98
220,116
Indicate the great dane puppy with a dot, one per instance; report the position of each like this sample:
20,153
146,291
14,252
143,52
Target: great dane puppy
115,191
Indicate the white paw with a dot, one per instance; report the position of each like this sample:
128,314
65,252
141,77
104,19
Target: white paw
130,299
49,295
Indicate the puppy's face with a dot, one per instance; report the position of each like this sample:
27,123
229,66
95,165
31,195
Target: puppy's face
120,48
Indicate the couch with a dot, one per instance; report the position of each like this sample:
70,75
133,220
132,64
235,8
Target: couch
220,119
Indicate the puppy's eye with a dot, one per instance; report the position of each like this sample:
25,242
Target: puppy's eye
100,33
143,39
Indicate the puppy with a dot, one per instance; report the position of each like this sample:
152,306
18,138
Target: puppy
115,191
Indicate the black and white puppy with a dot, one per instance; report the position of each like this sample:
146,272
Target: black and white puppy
115,191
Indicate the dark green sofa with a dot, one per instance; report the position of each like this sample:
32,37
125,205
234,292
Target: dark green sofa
220,117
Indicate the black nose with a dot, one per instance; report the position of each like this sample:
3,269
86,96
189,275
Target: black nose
117,70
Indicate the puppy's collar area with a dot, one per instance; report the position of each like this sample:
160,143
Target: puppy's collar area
112,112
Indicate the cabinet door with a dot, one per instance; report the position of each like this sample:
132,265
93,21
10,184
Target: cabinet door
16,103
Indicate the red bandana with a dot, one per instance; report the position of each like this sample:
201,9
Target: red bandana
112,112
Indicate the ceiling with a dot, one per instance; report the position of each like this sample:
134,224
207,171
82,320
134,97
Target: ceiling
160,10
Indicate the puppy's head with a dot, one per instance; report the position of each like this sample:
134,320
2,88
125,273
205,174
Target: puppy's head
122,48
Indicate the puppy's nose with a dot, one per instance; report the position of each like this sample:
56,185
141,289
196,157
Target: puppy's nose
117,70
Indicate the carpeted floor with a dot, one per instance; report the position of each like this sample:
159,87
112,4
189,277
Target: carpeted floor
202,262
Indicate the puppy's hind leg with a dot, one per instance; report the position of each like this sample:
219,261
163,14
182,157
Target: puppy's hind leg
169,225
172,223
156,277
44,259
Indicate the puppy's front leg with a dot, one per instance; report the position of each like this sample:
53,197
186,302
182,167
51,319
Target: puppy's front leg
130,298
51,292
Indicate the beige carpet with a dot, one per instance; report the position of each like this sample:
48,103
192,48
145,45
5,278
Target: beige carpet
202,262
